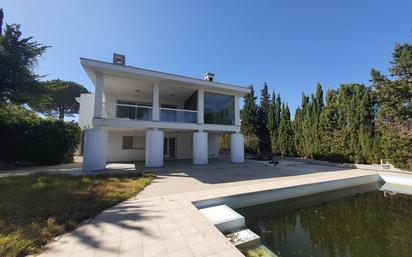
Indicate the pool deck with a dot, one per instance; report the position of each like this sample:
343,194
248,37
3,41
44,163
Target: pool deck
162,221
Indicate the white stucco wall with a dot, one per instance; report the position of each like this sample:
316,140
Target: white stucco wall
115,153
86,110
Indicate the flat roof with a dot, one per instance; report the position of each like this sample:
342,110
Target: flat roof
94,66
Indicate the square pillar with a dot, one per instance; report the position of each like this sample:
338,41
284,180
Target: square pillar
156,102
98,94
200,106
237,111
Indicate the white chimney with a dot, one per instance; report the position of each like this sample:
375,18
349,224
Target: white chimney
209,76
119,59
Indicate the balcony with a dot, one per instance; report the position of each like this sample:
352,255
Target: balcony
178,115
145,113
127,111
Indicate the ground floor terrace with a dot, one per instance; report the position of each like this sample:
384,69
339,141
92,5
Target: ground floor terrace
155,147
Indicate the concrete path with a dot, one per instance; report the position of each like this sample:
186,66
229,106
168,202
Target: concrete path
251,172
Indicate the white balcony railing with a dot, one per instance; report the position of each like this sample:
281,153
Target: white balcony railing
141,112
128,111
178,115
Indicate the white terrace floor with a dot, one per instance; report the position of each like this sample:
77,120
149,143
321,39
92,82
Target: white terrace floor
161,220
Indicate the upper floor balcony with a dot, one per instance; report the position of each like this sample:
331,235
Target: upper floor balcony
134,111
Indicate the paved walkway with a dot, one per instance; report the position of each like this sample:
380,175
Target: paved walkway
161,221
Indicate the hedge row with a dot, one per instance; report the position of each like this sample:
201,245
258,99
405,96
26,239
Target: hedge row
26,137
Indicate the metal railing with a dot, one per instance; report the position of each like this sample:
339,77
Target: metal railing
128,111
141,112
178,115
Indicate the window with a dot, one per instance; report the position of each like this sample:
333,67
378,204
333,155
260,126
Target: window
127,142
219,109
133,142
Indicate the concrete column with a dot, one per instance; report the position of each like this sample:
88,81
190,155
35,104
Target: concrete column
156,101
237,111
98,94
200,106
200,149
95,149
154,148
237,148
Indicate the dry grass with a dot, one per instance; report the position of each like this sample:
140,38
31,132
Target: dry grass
35,209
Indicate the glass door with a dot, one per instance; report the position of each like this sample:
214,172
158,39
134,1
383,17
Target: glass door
169,148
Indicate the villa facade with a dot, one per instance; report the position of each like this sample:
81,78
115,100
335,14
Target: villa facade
143,115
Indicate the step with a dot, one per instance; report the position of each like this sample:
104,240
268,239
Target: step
244,238
224,218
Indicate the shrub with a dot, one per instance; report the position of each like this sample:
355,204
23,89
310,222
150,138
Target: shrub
224,141
252,143
25,137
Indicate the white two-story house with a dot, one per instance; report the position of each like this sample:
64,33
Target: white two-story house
143,115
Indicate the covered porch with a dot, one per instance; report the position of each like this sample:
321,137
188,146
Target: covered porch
157,147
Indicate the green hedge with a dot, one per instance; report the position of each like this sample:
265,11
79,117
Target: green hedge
26,137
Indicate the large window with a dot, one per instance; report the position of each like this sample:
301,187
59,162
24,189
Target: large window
133,142
219,109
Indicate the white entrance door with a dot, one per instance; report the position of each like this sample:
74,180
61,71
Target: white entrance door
169,148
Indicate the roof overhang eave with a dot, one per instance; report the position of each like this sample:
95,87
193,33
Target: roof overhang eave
92,67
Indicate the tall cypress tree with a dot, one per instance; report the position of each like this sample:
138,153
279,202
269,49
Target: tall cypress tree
248,114
262,121
274,139
285,133
328,123
318,106
297,131
367,134
271,115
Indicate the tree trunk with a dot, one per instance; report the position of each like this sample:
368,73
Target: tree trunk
61,115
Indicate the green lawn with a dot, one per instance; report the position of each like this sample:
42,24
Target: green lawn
35,209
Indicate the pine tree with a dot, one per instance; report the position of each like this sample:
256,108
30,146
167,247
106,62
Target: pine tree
394,117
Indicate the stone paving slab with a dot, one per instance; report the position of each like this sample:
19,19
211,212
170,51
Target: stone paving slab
168,225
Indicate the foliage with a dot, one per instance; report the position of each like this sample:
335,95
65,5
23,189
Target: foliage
18,58
59,98
35,209
224,142
356,123
248,113
285,134
274,121
252,144
26,137
262,121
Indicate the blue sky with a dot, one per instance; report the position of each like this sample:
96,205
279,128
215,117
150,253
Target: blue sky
289,44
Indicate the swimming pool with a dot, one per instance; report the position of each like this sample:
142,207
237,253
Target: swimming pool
359,221
355,217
